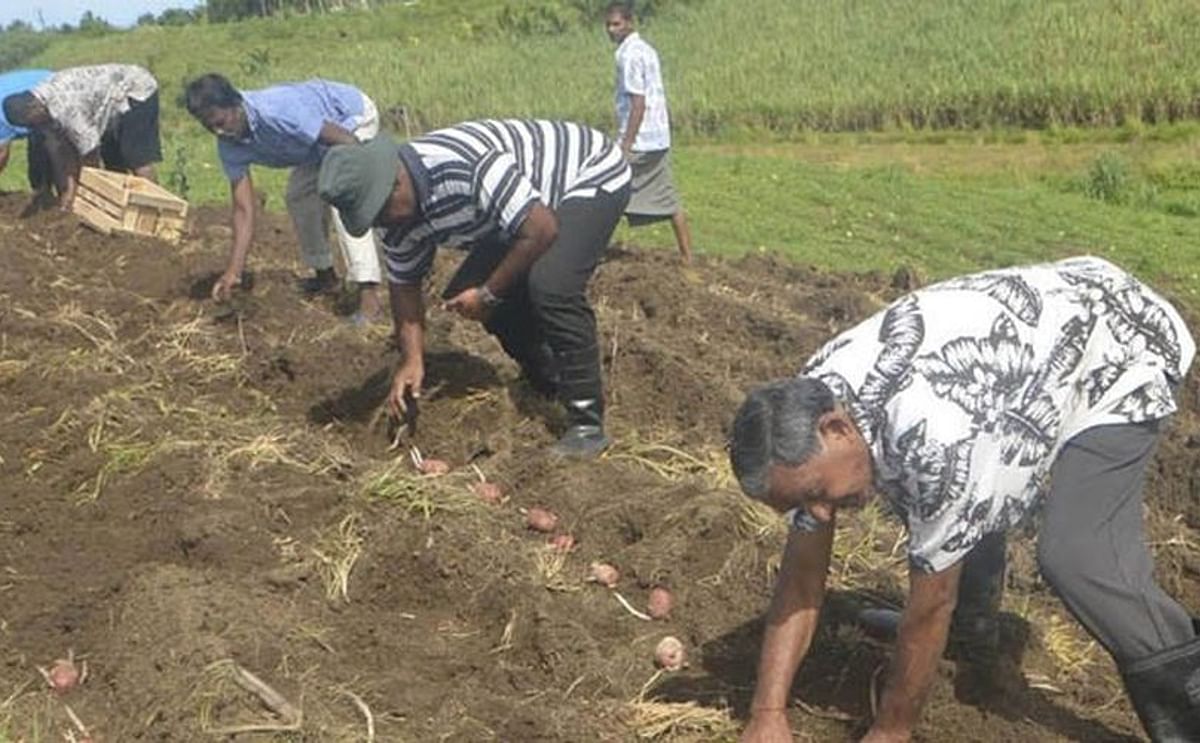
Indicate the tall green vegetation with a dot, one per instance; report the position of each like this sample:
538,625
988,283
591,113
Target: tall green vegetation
19,43
749,70
774,65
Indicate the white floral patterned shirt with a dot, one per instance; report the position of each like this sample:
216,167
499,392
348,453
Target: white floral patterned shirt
85,101
966,390
639,73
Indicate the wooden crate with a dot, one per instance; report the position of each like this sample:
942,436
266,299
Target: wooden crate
118,202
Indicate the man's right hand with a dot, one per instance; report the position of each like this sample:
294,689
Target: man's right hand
406,380
223,287
767,726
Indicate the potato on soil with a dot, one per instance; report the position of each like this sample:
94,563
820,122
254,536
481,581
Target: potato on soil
540,519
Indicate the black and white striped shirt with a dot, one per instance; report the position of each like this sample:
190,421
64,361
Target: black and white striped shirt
476,182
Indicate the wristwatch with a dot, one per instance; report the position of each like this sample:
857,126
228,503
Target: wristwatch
489,299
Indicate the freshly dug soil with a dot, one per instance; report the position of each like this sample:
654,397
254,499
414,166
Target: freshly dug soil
183,483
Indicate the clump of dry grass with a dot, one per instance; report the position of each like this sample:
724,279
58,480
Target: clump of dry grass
758,521
652,719
336,554
1072,651
419,494
191,346
98,330
869,552
672,462
549,566
120,457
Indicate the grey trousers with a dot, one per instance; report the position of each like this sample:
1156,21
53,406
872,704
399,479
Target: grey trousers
1092,548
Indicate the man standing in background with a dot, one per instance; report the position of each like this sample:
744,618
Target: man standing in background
644,128
12,83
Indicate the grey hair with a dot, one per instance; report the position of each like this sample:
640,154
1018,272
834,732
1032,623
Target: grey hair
777,424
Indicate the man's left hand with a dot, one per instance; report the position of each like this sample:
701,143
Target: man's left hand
879,736
468,303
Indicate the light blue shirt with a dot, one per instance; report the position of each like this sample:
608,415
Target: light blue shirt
11,83
285,124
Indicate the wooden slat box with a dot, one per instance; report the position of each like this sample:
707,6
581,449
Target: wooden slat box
118,202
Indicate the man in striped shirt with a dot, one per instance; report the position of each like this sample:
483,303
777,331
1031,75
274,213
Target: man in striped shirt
535,203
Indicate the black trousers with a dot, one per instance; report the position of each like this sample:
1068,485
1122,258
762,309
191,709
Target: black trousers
40,175
134,141
549,308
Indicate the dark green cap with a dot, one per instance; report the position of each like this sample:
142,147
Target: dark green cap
357,180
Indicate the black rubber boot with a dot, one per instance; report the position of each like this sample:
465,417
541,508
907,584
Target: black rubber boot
582,393
585,437
1165,691
975,628
540,370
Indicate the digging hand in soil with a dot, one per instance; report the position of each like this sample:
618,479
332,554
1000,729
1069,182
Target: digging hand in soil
406,387
223,287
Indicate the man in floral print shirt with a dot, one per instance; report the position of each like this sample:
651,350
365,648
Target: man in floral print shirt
92,115
966,404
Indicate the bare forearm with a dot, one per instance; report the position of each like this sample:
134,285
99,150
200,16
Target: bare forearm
64,166
534,237
637,112
243,224
408,318
785,643
517,262
792,617
919,647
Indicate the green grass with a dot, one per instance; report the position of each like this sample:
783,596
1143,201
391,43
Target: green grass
884,216
753,84
782,65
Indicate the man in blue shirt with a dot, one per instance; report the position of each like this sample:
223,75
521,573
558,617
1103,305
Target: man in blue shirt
11,83
290,126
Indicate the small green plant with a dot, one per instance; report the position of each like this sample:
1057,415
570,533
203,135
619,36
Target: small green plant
257,61
1108,179
177,178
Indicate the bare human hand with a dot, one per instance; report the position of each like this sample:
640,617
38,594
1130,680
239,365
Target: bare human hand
407,380
469,304
223,286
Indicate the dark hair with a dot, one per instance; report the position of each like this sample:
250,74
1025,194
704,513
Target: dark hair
210,91
19,108
777,424
624,8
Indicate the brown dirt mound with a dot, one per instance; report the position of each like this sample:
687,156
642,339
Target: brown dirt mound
183,484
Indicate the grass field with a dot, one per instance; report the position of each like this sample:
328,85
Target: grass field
751,86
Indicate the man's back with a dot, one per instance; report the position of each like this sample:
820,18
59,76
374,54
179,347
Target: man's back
967,389
285,124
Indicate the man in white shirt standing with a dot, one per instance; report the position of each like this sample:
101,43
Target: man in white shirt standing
968,404
644,128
